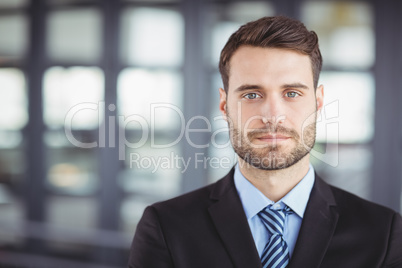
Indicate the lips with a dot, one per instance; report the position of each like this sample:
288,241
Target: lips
273,137
280,134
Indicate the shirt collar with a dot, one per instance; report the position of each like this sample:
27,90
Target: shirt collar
254,201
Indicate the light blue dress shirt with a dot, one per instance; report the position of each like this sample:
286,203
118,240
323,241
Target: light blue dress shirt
254,201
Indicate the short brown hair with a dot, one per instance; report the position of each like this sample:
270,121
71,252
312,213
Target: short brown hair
273,32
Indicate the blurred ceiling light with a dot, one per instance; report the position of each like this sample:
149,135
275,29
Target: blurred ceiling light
65,175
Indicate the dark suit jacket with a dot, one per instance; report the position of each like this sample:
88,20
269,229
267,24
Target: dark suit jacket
208,228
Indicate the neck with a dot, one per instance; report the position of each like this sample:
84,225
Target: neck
275,184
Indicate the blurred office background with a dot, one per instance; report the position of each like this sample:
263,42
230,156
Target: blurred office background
72,194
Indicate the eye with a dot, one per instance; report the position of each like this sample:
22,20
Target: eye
251,96
292,94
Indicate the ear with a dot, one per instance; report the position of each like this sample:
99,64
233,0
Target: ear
319,95
222,101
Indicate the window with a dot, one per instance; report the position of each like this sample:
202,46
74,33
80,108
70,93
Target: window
74,35
94,101
346,125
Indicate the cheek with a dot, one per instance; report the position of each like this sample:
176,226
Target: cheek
232,116
302,114
304,118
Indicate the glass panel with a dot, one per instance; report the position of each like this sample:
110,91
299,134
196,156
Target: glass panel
69,2
61,211
13,36
13,3
220,151
150,98
352,168
12,166
348,106
74,35
226,19
150,174
12,209
73,97
345,31
12,216
152,171
222,158
13,117
71,222
153,1
131,211
13,100
152,37
245,11
72,170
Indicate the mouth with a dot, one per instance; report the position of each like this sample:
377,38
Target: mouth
272,138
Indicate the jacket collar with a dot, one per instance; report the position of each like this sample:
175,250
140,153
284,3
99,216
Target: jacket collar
318,225
231,223
317,229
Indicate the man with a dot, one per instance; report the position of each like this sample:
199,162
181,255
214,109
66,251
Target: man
271,210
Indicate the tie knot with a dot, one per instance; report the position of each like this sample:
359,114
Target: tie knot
274,220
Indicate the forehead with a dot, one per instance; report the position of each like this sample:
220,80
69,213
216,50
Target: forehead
256,65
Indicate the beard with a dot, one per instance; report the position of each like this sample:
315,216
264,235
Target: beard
272,156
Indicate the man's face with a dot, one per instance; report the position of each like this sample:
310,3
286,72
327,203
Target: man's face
271,106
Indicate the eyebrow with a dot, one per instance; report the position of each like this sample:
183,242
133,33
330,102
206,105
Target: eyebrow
295,85
251,87
247,87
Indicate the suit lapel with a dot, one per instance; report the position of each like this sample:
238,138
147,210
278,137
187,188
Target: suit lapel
231,223
318,226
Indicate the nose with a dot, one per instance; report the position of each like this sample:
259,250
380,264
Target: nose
273,111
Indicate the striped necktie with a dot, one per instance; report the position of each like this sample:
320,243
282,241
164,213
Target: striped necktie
276,252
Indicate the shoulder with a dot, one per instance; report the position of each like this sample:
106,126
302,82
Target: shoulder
194,202
347,201
370,224
196,198
356,212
